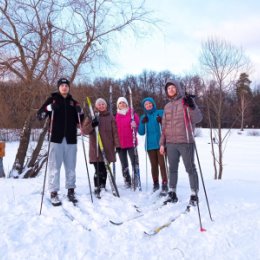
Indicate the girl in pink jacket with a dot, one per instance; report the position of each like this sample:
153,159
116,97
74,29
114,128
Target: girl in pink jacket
125,128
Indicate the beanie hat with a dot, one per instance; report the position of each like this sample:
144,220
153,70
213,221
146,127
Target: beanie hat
121,99
63,81
100,100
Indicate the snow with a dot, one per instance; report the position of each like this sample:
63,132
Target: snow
234,203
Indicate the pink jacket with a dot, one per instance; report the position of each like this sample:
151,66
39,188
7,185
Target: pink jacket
124,129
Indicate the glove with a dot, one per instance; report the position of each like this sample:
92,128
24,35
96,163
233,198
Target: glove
78,109
51,107
94,122
159,119
145,120
188,101
118,149
41,116
133,124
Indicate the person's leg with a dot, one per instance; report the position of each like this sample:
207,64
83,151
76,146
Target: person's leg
103,174
164,177
187,153
154,169
135,164
97,174
70,157
125,169
173,158
162,165
54,164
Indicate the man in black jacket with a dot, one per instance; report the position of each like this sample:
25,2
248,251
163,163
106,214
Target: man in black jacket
65,112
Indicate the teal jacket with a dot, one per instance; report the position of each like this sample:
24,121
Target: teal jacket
152,127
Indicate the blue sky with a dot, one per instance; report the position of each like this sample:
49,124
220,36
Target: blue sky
184,25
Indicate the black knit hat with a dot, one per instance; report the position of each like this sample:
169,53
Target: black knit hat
63,81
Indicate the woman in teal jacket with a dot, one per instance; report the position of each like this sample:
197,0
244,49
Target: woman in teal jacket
150,125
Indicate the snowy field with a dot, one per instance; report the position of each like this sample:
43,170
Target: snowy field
234,203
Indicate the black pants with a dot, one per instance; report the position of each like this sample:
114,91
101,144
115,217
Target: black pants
124,161
100,176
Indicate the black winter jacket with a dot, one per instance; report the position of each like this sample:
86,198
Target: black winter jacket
65,118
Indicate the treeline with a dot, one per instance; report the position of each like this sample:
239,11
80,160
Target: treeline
15,98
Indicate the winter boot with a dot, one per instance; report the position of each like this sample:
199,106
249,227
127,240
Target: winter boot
172,197
164,189
193,200
156,186
97,191
103,186
71,196
127,180
55,201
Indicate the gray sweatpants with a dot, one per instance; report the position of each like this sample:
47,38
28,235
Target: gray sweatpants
67,154
186,151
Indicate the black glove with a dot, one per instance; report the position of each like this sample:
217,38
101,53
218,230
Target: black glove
188,101
41,116
145,120
118,149
94,122
78,109
159,119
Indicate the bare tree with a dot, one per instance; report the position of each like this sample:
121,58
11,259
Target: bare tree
221,62
41,40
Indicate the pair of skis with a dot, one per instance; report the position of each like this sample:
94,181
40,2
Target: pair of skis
101,147
136,181
157,229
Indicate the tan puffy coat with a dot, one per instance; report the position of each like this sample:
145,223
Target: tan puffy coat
108,132
173,121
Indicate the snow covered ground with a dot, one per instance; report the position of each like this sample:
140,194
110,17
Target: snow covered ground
234,202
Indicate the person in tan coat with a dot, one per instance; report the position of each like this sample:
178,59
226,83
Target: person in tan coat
2,154
178,123
105,122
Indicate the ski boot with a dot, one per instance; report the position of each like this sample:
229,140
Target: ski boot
193,200
172,198
164,190
71,196
127,180
156,186
55,200
97,191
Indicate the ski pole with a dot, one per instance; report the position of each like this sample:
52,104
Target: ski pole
85,157
146,174
191,150
111,111
201,175
136,171
47,160
165,158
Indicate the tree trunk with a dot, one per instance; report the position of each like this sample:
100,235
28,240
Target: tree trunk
18,165
220,156
36,161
